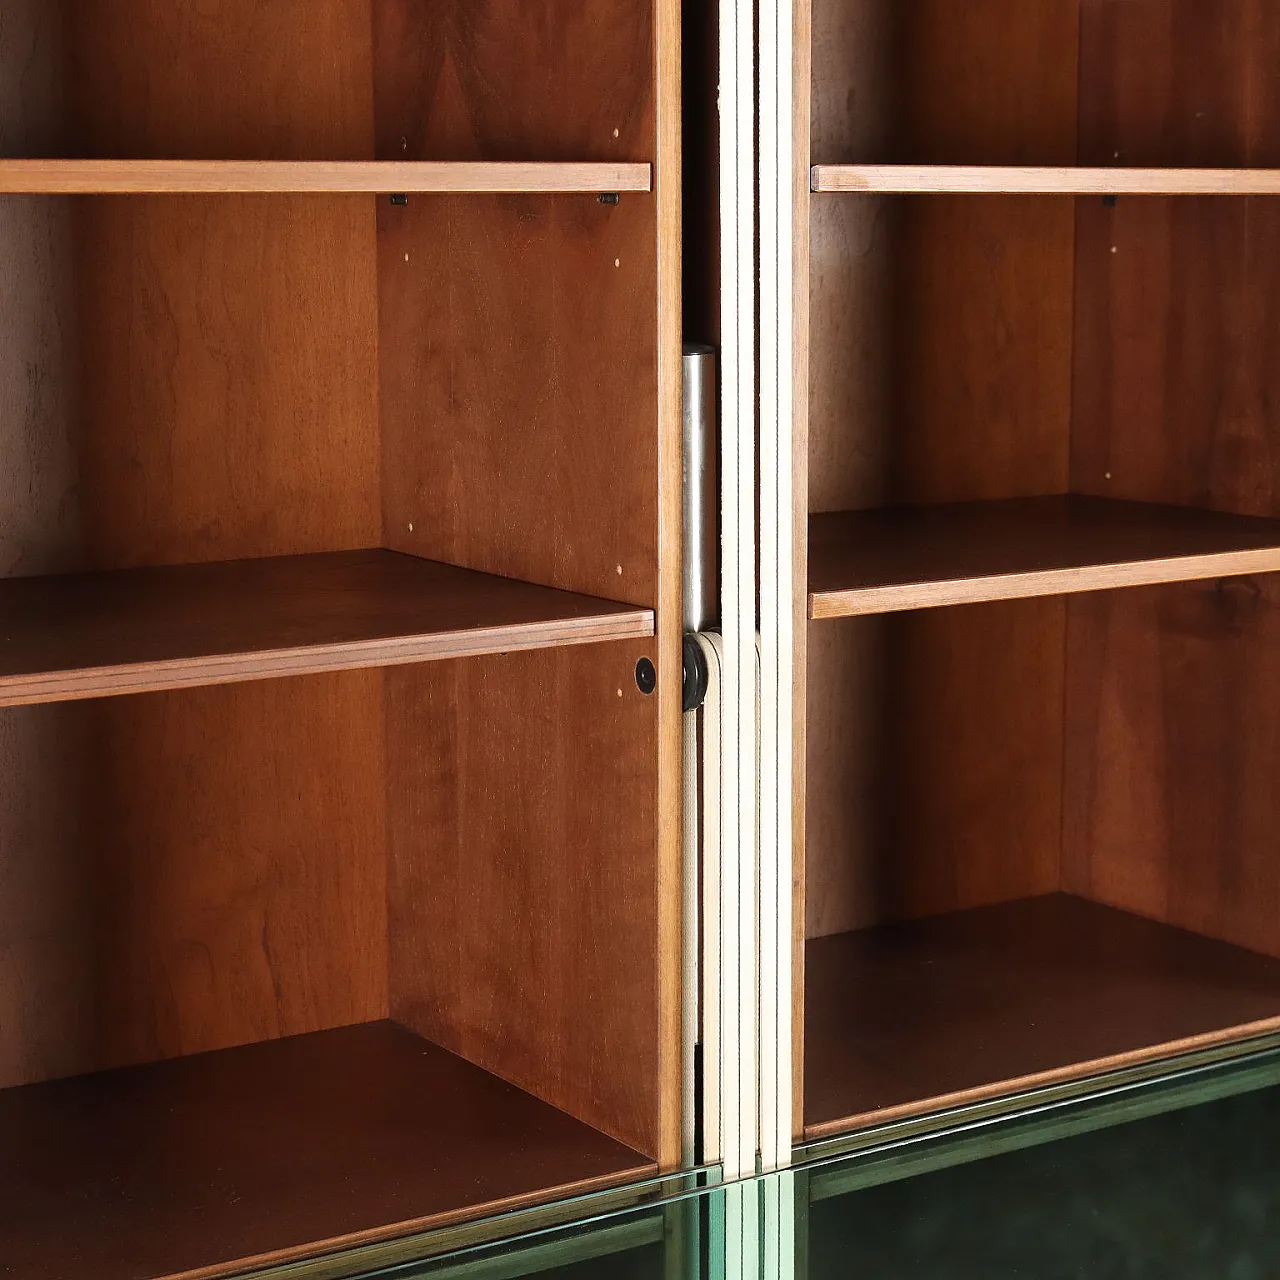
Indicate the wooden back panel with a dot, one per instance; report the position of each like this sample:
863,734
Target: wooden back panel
515,79
1177,82
193,870
42,757
932,82
228,80
940,369
1171,753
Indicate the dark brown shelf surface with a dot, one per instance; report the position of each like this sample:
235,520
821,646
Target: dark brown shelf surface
130,631
907,1017
214,1163
864,562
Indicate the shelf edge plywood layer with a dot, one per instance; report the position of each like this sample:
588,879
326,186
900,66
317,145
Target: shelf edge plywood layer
868,562
140,630
137,177
211,1165
941,179
911,1018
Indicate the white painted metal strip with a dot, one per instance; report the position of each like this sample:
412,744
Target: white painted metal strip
716,968
691,937
777,585
738,597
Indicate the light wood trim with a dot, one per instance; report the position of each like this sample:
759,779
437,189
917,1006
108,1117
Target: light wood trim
802,144
140,177
1051,582
903,179
966,553
670,649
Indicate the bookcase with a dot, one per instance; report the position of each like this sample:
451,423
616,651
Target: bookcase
339,621
1038,544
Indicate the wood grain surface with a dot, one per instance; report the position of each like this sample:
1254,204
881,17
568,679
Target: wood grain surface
1117,349
554,410
926,557
932,82
668,60
224,80
196,870
553,301
221,421
201,869
1176,82
1031,180
937,368
529,378
85,635
248,1157
263,375
134,177
1170,750
524,886
939,371
509,80
939,754
943,1011
912,404
1171,753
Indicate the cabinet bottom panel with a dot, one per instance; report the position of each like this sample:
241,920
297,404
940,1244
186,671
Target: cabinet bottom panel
217,1163
913,1017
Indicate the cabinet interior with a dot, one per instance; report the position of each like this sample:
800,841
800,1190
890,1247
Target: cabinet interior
375,943
1038,832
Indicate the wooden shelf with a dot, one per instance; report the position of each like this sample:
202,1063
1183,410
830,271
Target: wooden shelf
941,179
131,631
255,1156
923,557
141,177
939,1012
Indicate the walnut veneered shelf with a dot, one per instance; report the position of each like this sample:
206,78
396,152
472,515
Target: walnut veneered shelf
863,562
1003,695
942,179
318,177
139,630
273,1151
931,1013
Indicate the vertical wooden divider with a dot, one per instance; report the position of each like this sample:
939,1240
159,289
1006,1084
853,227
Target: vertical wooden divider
530,427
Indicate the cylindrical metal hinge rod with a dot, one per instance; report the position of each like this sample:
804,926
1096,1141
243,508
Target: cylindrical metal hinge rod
701,490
